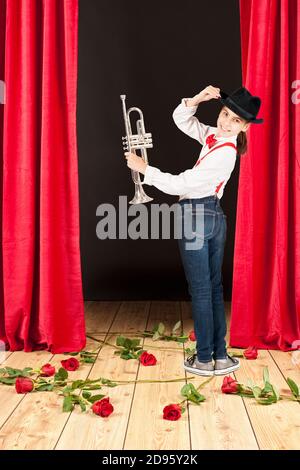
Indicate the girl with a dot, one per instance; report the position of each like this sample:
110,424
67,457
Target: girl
200,190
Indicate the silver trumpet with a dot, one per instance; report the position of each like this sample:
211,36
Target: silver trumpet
132,142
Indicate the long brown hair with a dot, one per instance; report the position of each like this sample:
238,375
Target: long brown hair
242,143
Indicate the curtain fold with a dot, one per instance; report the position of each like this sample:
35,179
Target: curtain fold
41,286
266,277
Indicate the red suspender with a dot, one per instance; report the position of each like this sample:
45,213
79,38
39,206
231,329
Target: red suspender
219,186
229,144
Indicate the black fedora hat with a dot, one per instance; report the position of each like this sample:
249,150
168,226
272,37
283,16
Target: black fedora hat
242,103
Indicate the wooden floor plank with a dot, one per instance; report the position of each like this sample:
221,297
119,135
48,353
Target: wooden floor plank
221,422
109,433
150,399
99,316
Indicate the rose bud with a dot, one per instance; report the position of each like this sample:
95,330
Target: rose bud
24,385
70,364
172,412
147,359
192,336
250,353
229,385
103,408
47,370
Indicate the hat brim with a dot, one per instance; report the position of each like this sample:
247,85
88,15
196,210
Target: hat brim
227,101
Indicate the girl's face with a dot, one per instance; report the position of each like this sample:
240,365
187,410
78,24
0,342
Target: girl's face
230,124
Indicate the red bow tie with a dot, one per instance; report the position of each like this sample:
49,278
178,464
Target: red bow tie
211,140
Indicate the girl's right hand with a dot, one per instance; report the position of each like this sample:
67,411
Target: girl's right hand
209,93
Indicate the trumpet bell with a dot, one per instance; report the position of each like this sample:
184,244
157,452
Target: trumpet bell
140,197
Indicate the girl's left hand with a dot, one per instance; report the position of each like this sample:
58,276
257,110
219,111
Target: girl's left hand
135,163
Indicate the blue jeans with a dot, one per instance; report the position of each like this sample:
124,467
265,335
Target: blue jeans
203,271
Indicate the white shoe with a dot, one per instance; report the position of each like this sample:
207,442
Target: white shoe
225,366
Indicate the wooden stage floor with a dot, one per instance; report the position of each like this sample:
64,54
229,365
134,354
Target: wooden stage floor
36,421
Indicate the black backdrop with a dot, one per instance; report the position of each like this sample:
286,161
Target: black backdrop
155,53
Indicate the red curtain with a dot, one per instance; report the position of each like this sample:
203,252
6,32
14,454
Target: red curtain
266,280
41,288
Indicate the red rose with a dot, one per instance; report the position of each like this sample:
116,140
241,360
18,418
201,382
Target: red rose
250,353
103,408
47,370
229,385
192,336
24,385
70,364
172,412
147,359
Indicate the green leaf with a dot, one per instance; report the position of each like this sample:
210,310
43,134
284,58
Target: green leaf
26,371
95,398
88,381
8,380
2,371
86,395
156,336
256,391
44,388
294,387
108,382
68,404
183,410
190,351
13,372
161,328
266,375
267,388
186,390
266,401
196,400
63,373
242,393
176,327
82,406
135,343
133,356
77,384
128,343
92,387
72,354
88,353
125,356
275,393
120,341
89,360
192,394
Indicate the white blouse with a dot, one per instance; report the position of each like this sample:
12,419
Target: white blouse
210,175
